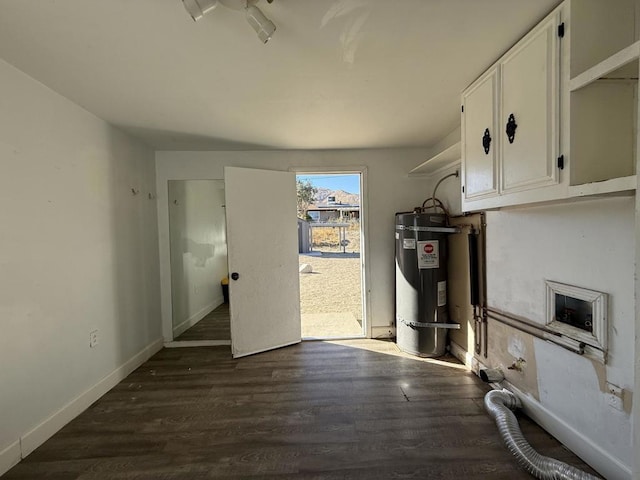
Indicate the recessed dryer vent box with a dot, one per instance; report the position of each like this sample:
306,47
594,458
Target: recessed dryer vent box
580,314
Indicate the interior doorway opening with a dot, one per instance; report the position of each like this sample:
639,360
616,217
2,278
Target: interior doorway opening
331,252
198,261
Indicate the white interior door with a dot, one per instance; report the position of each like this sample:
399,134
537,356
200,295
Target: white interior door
262,244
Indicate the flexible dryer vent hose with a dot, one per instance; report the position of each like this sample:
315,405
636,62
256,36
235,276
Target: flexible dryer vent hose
499,404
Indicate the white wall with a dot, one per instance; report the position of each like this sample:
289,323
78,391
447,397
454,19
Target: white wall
588,243
449,190
198,249
78,252
388,190
636,398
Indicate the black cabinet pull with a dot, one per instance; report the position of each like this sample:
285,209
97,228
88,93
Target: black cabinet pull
235,276
486,141
511,128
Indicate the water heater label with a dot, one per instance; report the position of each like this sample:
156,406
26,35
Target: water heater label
428,254
409,243
442,294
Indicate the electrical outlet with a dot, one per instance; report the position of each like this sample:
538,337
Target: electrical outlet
615,402
93,338
614,396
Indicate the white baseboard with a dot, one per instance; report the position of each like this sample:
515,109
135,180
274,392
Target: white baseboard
42,432
468,358
10,457
600,460
196,317
383,332
461,354
606,465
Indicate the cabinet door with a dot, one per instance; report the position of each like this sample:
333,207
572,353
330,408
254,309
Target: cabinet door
529,91
480,138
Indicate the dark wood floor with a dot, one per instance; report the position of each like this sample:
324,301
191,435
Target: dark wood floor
215,326
348,410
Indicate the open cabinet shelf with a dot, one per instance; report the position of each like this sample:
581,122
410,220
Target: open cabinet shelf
603,97
438,162
610,68
615,185
599,31
603,131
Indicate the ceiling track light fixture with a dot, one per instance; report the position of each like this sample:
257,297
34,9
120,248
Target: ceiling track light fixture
263,27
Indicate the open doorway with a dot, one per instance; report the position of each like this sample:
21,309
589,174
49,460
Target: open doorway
198,259
331,252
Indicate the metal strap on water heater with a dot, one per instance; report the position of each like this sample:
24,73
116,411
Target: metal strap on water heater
428,229
450,326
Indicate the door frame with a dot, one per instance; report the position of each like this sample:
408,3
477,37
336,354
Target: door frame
364,231
162,203
164,257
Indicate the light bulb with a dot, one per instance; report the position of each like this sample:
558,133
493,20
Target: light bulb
261,24
199,8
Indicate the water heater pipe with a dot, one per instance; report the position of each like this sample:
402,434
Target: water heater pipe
435,189
474,268
499,404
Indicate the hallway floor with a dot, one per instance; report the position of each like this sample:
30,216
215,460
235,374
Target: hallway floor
214,326
355,409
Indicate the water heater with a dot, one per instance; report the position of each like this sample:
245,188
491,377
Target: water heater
422,320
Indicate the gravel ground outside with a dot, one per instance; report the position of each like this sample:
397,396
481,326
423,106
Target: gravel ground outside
334,286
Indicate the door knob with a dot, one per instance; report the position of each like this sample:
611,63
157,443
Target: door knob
235,276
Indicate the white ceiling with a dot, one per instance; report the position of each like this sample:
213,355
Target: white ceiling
337,73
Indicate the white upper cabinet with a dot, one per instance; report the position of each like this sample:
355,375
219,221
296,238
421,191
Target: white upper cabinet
566,98
480,137
529,110
517,102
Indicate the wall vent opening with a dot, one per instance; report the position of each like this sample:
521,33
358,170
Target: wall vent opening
580,314
575,312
